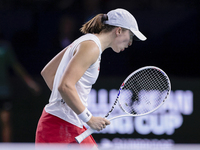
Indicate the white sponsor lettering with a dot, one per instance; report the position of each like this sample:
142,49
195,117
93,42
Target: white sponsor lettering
165,120
131,143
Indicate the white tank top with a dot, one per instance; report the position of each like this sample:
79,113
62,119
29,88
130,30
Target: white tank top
57,106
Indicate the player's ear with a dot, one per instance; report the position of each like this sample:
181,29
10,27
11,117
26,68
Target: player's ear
118,30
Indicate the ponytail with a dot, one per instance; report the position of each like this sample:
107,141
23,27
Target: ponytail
96,25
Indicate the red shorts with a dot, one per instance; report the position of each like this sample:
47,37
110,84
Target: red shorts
52,129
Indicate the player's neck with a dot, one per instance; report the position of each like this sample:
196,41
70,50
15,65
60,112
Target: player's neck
105,39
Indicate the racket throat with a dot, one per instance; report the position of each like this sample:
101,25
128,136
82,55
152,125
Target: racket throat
115,103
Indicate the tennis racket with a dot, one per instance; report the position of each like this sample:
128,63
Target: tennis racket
141,93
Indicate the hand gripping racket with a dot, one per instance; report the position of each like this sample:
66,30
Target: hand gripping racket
141,93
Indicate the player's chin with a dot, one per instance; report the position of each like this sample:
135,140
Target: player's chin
119,50
116,51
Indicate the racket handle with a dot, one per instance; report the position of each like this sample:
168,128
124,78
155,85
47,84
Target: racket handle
84,135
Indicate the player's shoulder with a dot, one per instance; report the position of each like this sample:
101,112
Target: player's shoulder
88,50
89,43
89,46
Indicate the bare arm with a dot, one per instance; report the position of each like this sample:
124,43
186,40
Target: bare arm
86,54
49,71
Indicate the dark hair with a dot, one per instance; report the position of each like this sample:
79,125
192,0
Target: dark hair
96,25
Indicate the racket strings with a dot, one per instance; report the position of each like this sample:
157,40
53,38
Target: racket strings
144,91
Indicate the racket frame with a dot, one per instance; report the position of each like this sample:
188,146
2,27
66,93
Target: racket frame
163,101
89,131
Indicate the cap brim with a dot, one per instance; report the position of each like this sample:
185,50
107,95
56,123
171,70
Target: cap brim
138,36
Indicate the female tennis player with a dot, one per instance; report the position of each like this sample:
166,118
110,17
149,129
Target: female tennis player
71,74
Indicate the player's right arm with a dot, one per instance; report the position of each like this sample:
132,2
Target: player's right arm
86,54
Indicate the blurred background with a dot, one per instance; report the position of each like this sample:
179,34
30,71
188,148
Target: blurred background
33,31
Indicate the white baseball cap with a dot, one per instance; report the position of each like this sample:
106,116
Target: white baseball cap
122,18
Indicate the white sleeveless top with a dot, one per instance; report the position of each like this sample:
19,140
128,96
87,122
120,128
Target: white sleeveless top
57,106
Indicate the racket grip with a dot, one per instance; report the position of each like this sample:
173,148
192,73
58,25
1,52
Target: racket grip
84,135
